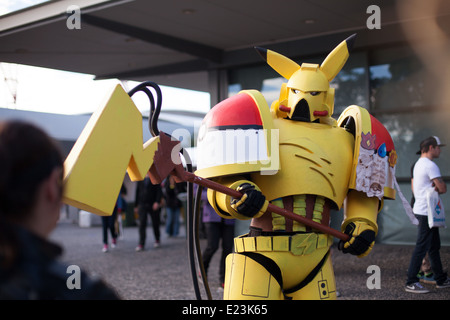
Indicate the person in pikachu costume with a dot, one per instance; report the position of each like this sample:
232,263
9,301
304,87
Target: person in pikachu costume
306,162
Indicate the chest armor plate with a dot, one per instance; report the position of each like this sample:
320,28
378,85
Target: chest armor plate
314,159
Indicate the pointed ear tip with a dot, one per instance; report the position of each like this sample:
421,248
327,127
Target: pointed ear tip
350,41
262,52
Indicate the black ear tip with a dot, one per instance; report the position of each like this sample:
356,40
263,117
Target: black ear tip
262,52
350,41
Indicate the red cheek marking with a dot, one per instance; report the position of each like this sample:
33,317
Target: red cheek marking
320,113
284,109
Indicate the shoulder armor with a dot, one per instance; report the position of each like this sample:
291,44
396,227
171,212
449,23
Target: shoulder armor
374,160
236,137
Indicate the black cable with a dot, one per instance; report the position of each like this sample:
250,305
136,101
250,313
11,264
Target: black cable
190,228
154,109
198,200
192,219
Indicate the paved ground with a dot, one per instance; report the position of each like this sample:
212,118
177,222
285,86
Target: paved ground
163,273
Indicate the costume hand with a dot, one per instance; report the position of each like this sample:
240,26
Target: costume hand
361,241
251,203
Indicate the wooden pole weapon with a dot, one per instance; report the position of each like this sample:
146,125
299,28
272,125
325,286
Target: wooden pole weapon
164,164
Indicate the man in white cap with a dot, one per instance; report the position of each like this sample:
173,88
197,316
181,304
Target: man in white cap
426,174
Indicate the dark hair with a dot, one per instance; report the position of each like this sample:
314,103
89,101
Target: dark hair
430,141
27,157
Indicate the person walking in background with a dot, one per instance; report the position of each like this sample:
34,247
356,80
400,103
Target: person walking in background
122,206
113,222
426,174
149,200
425,274
217,228
173,205
31,190
108,224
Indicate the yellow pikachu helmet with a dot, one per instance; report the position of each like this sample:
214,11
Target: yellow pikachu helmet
307,96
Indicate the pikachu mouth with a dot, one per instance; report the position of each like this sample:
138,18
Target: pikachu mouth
301,112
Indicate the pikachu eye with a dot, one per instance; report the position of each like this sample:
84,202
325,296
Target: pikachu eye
314,93
295,91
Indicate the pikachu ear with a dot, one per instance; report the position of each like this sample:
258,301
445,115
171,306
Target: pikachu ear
334,62
281,64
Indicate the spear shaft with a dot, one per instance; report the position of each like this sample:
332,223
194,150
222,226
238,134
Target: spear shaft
163,165
272,208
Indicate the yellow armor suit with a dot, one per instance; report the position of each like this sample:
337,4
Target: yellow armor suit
295,156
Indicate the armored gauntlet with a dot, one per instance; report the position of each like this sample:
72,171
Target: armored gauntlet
361,241
252,202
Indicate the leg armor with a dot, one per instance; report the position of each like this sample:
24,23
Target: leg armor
284,267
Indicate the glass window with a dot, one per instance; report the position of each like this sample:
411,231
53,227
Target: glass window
398,80
409,129
262,78
351,84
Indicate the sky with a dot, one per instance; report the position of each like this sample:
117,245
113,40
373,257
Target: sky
7,6
55,91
